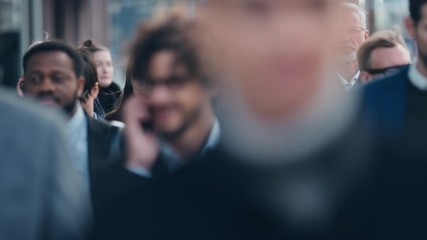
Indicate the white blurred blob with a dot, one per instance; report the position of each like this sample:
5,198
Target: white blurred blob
302,134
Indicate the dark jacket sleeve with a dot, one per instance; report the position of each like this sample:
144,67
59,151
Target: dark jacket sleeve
115,183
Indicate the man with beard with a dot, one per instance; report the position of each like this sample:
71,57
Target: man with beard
176,97
293,162
397,103
171,121
354,33
53,76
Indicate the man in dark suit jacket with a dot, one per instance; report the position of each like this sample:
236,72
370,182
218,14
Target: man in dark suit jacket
397,104
385,103
53,76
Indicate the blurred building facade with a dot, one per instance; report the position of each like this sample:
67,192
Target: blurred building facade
111,23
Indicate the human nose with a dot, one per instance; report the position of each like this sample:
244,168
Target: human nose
47,85
104,68
158,94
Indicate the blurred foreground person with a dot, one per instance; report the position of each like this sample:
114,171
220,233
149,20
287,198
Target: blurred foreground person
354,33
53,75
170,121
294,161
397,103
110,91
39,191
383,55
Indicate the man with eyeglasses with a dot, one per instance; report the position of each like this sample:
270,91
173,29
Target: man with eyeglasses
354,33
383,55
396,105
171,122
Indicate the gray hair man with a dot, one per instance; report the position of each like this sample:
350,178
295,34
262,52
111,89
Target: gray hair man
354,34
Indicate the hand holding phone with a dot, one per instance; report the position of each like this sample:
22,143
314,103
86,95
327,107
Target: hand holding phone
141,143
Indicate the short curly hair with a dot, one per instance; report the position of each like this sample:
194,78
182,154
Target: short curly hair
174,34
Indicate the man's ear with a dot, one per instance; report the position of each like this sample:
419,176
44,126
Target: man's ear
365,77
20,87
410,26
80,86
366,35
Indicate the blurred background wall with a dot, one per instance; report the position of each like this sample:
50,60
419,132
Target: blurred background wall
112,23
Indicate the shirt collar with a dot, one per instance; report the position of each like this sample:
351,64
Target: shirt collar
213,137
353,80
417,78
210,143
77,121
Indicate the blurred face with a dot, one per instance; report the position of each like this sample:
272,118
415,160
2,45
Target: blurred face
137,86
274,51
353,35
385,62
419,33
174,99
50,78
104,66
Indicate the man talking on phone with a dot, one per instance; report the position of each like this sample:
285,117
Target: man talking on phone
171,120
175,100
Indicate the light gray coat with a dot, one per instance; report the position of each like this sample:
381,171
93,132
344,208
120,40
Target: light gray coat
40,197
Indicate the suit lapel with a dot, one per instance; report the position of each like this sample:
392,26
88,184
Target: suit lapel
97,147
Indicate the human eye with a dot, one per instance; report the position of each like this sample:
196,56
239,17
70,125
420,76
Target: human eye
34,79
317,5
146,84
176,82
58,78
257,7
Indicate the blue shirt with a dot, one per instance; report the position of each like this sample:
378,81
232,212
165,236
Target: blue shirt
77,134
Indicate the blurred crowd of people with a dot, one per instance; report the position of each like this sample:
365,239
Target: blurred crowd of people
253,119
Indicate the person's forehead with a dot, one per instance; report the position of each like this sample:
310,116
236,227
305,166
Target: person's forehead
351,17
384,57
102,56
165,63
50,59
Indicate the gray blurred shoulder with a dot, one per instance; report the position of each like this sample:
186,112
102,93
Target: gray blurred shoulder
16,111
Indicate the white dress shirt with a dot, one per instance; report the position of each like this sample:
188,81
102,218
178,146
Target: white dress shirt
78,144
348,85
417,78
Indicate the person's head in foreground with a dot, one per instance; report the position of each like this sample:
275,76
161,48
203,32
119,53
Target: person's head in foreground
384,54
53,75
417,29
276,59
167,73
